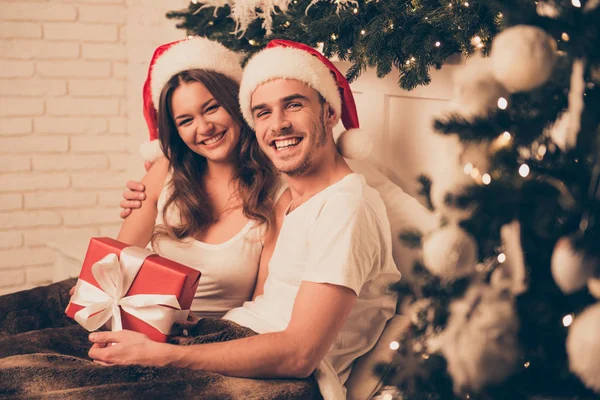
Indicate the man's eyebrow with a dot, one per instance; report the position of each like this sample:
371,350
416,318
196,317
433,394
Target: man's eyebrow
258,107
295,96
201,107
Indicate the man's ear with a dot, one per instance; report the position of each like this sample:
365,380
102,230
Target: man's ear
330,116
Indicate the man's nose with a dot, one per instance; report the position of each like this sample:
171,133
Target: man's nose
280,122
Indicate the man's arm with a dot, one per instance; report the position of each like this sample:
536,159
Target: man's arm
319,312
137,228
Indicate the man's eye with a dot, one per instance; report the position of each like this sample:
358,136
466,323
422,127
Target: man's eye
294,105
262,113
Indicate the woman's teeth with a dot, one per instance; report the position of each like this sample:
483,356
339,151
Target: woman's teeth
283,144
214,139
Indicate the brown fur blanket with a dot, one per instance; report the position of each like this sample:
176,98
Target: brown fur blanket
43,354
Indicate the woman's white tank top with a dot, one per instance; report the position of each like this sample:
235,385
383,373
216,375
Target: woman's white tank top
228,269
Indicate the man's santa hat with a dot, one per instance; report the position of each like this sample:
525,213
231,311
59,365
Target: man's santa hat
169,60
291,60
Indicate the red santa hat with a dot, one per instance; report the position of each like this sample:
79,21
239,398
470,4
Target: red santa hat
291,60
169,60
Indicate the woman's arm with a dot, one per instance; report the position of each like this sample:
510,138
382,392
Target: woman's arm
137,228
270,240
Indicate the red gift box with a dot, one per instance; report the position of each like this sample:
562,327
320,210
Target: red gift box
157,275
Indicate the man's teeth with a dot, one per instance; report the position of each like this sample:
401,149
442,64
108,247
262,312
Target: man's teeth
282,144
214,139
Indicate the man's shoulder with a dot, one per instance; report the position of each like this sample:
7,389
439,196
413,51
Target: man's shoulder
353,196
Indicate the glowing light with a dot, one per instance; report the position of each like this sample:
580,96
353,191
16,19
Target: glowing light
565,36
527,364
363,32
387,396
506,135
567,320
194,1
501,258
524,170
412,59
486,179
355,11
466,4
287,23
502,103
475,174
333,36
576,3
190,37
394,345
468,168
438,44
252,42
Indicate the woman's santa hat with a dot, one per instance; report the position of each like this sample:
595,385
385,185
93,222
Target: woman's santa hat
169,60
283,59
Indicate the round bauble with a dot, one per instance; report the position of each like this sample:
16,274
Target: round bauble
583,347
476,90
570,268
523,57
480,341
450,252
593,285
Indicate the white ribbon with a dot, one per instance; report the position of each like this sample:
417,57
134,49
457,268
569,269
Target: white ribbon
115,276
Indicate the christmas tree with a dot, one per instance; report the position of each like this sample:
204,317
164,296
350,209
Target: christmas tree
505,295
413,36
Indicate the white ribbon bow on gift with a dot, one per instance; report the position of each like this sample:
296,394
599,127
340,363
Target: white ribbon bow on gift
115,276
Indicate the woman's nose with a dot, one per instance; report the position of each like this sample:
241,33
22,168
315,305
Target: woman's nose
204,128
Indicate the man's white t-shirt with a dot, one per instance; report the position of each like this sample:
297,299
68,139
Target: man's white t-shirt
339,236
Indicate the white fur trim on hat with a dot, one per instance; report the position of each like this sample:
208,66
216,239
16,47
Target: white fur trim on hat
287,63
354,143
194,53
151,151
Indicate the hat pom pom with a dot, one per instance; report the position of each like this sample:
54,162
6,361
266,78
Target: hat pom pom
151,151
355,144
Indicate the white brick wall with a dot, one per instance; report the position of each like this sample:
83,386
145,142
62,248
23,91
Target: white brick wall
71,73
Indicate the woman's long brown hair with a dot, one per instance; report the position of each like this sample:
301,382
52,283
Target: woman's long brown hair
254,174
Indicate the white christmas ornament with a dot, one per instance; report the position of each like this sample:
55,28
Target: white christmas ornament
594,287
570,269
450,252
583,347
480,341
476,90
523,57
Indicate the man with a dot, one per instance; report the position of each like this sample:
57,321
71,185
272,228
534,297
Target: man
326,298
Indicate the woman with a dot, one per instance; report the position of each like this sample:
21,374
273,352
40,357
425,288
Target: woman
211,202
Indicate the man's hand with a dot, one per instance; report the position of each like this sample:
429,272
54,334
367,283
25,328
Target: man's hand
126,347
132,197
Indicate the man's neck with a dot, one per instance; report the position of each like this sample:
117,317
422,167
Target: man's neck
305,186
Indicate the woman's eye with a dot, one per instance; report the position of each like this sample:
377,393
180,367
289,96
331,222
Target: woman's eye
212,108
185,122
